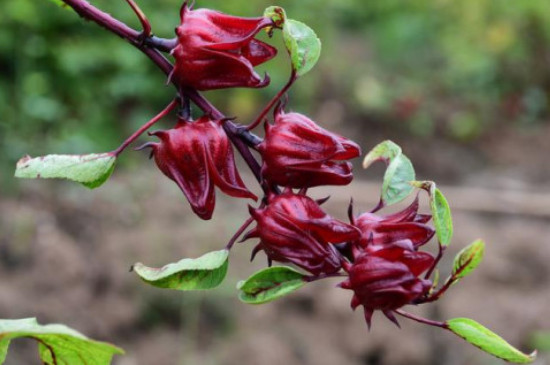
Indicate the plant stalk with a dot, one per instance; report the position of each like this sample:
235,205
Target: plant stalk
240,138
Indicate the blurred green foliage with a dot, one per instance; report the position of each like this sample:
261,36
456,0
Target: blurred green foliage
438,67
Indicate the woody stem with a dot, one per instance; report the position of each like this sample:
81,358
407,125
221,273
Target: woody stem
276,98
146,126
237,136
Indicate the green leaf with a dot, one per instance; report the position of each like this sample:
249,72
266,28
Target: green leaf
302,44
468,259
277,14
441,212
205,272
486,340
90,170
269,284
58,344
399,172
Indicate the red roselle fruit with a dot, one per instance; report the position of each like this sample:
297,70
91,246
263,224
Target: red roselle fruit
406,225
198,155
218,51
293,228
384,274
297,153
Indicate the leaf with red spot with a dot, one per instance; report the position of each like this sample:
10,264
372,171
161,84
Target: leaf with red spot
270,284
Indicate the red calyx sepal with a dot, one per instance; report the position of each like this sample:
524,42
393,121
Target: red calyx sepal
196,156
217,50
293,228
297,153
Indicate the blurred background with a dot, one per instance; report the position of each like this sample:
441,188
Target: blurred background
462,86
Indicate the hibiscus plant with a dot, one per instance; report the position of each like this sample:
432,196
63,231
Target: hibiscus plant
379,257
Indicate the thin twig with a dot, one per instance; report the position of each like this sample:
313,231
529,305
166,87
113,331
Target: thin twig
142,19
236,135
276,98
421,319
238,233
146,126
436,261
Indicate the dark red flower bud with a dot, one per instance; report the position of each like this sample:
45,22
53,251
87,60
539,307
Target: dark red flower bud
386,265
387,279
197,156
218,51
293,228
298,153
407,225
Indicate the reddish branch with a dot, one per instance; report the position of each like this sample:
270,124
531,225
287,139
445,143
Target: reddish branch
152,47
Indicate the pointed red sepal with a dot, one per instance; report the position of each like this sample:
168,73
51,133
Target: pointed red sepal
293,228
389,315
218,51
198,156
298,153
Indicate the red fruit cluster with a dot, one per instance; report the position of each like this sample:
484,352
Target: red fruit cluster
380,254
387,264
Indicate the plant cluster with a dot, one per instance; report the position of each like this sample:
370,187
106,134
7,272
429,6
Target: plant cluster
380,258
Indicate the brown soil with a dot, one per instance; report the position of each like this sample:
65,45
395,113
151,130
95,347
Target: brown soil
65,254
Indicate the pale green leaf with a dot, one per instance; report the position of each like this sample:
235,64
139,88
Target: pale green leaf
443,221
468,259
90,170
205,272
384,151
441,211
302,44
399,172
277,14
269,284
395,186
488,341
58,344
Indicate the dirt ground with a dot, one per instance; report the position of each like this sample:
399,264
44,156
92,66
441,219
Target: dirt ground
65,254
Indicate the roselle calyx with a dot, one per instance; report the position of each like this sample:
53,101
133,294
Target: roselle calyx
196,156
385,269
217,50
293,228
297,153
406,225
